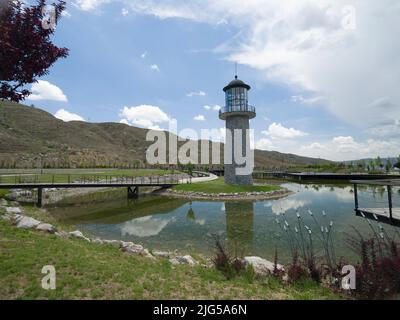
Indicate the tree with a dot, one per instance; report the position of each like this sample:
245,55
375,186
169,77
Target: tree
189,168
397,165
379,162
388,166
26,51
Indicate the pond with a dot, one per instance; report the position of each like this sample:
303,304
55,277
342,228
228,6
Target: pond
247,227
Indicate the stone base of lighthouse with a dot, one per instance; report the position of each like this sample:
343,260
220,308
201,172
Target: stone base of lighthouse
231,176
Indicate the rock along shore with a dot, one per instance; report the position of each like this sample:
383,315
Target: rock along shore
11,212
228,196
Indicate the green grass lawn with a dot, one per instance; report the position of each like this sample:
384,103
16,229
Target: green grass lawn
219,186
90,271
70,175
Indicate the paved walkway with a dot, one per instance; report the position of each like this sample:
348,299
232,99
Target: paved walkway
200,179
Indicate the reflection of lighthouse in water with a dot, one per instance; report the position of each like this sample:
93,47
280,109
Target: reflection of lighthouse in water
239,226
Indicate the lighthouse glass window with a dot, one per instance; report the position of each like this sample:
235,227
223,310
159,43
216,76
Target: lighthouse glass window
236,99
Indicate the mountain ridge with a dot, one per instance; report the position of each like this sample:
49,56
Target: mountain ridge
31,137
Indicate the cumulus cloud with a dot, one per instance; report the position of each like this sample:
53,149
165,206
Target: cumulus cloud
347,148
207,107
146,116
154,67
278,131
264,144
324,47
337,54
199,117
68,116
307,101
44,90
196,93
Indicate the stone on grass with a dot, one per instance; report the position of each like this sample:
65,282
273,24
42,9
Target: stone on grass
261,266
146,253
27,223
46,227
133,249
62,234
6,217
161,254
3,202
97,241
79,235
186,260
114,243
124,244
174,261
15,210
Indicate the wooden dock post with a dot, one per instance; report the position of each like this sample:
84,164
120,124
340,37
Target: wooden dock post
133,193
389,189
40,194
355,197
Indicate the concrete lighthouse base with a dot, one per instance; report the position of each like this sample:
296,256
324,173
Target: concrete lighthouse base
231,176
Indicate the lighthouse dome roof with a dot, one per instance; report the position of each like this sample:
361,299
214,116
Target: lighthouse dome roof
236,83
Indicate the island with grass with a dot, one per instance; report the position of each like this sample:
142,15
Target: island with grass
218,189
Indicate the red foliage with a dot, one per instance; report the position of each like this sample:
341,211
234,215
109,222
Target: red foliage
26,51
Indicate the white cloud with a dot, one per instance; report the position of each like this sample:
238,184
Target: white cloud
350,71
124,12
264,144
67,116
307,101
314,146
146,116
216,107
207,107
90,5
143,55
66,14
44,90
196,93
306,45
199,117
347,148
278,131
154,67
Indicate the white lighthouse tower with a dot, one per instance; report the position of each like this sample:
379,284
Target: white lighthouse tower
237,113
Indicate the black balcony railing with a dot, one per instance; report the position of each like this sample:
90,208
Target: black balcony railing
241,108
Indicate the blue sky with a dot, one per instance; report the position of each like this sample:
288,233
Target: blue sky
146,62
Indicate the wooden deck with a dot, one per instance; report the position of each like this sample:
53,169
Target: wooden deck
380,214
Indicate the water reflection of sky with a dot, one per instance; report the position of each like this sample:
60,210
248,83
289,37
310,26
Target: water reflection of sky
247,226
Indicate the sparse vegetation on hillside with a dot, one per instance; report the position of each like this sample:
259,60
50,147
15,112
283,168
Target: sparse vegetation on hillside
33,138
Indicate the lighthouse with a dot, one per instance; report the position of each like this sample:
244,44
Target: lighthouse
237,114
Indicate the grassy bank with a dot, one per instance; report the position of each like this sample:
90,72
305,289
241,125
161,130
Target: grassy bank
219,186
89,271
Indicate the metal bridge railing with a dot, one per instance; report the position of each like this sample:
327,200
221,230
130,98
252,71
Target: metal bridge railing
56,179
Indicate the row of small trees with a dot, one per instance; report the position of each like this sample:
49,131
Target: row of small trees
371,166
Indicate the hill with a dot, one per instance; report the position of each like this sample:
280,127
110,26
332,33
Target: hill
31,137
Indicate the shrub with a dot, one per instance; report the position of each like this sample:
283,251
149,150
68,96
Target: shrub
229,266
378,271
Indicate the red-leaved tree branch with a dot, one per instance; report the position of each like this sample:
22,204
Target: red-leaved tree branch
26,51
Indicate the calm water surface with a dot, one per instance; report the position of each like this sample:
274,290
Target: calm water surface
248,227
